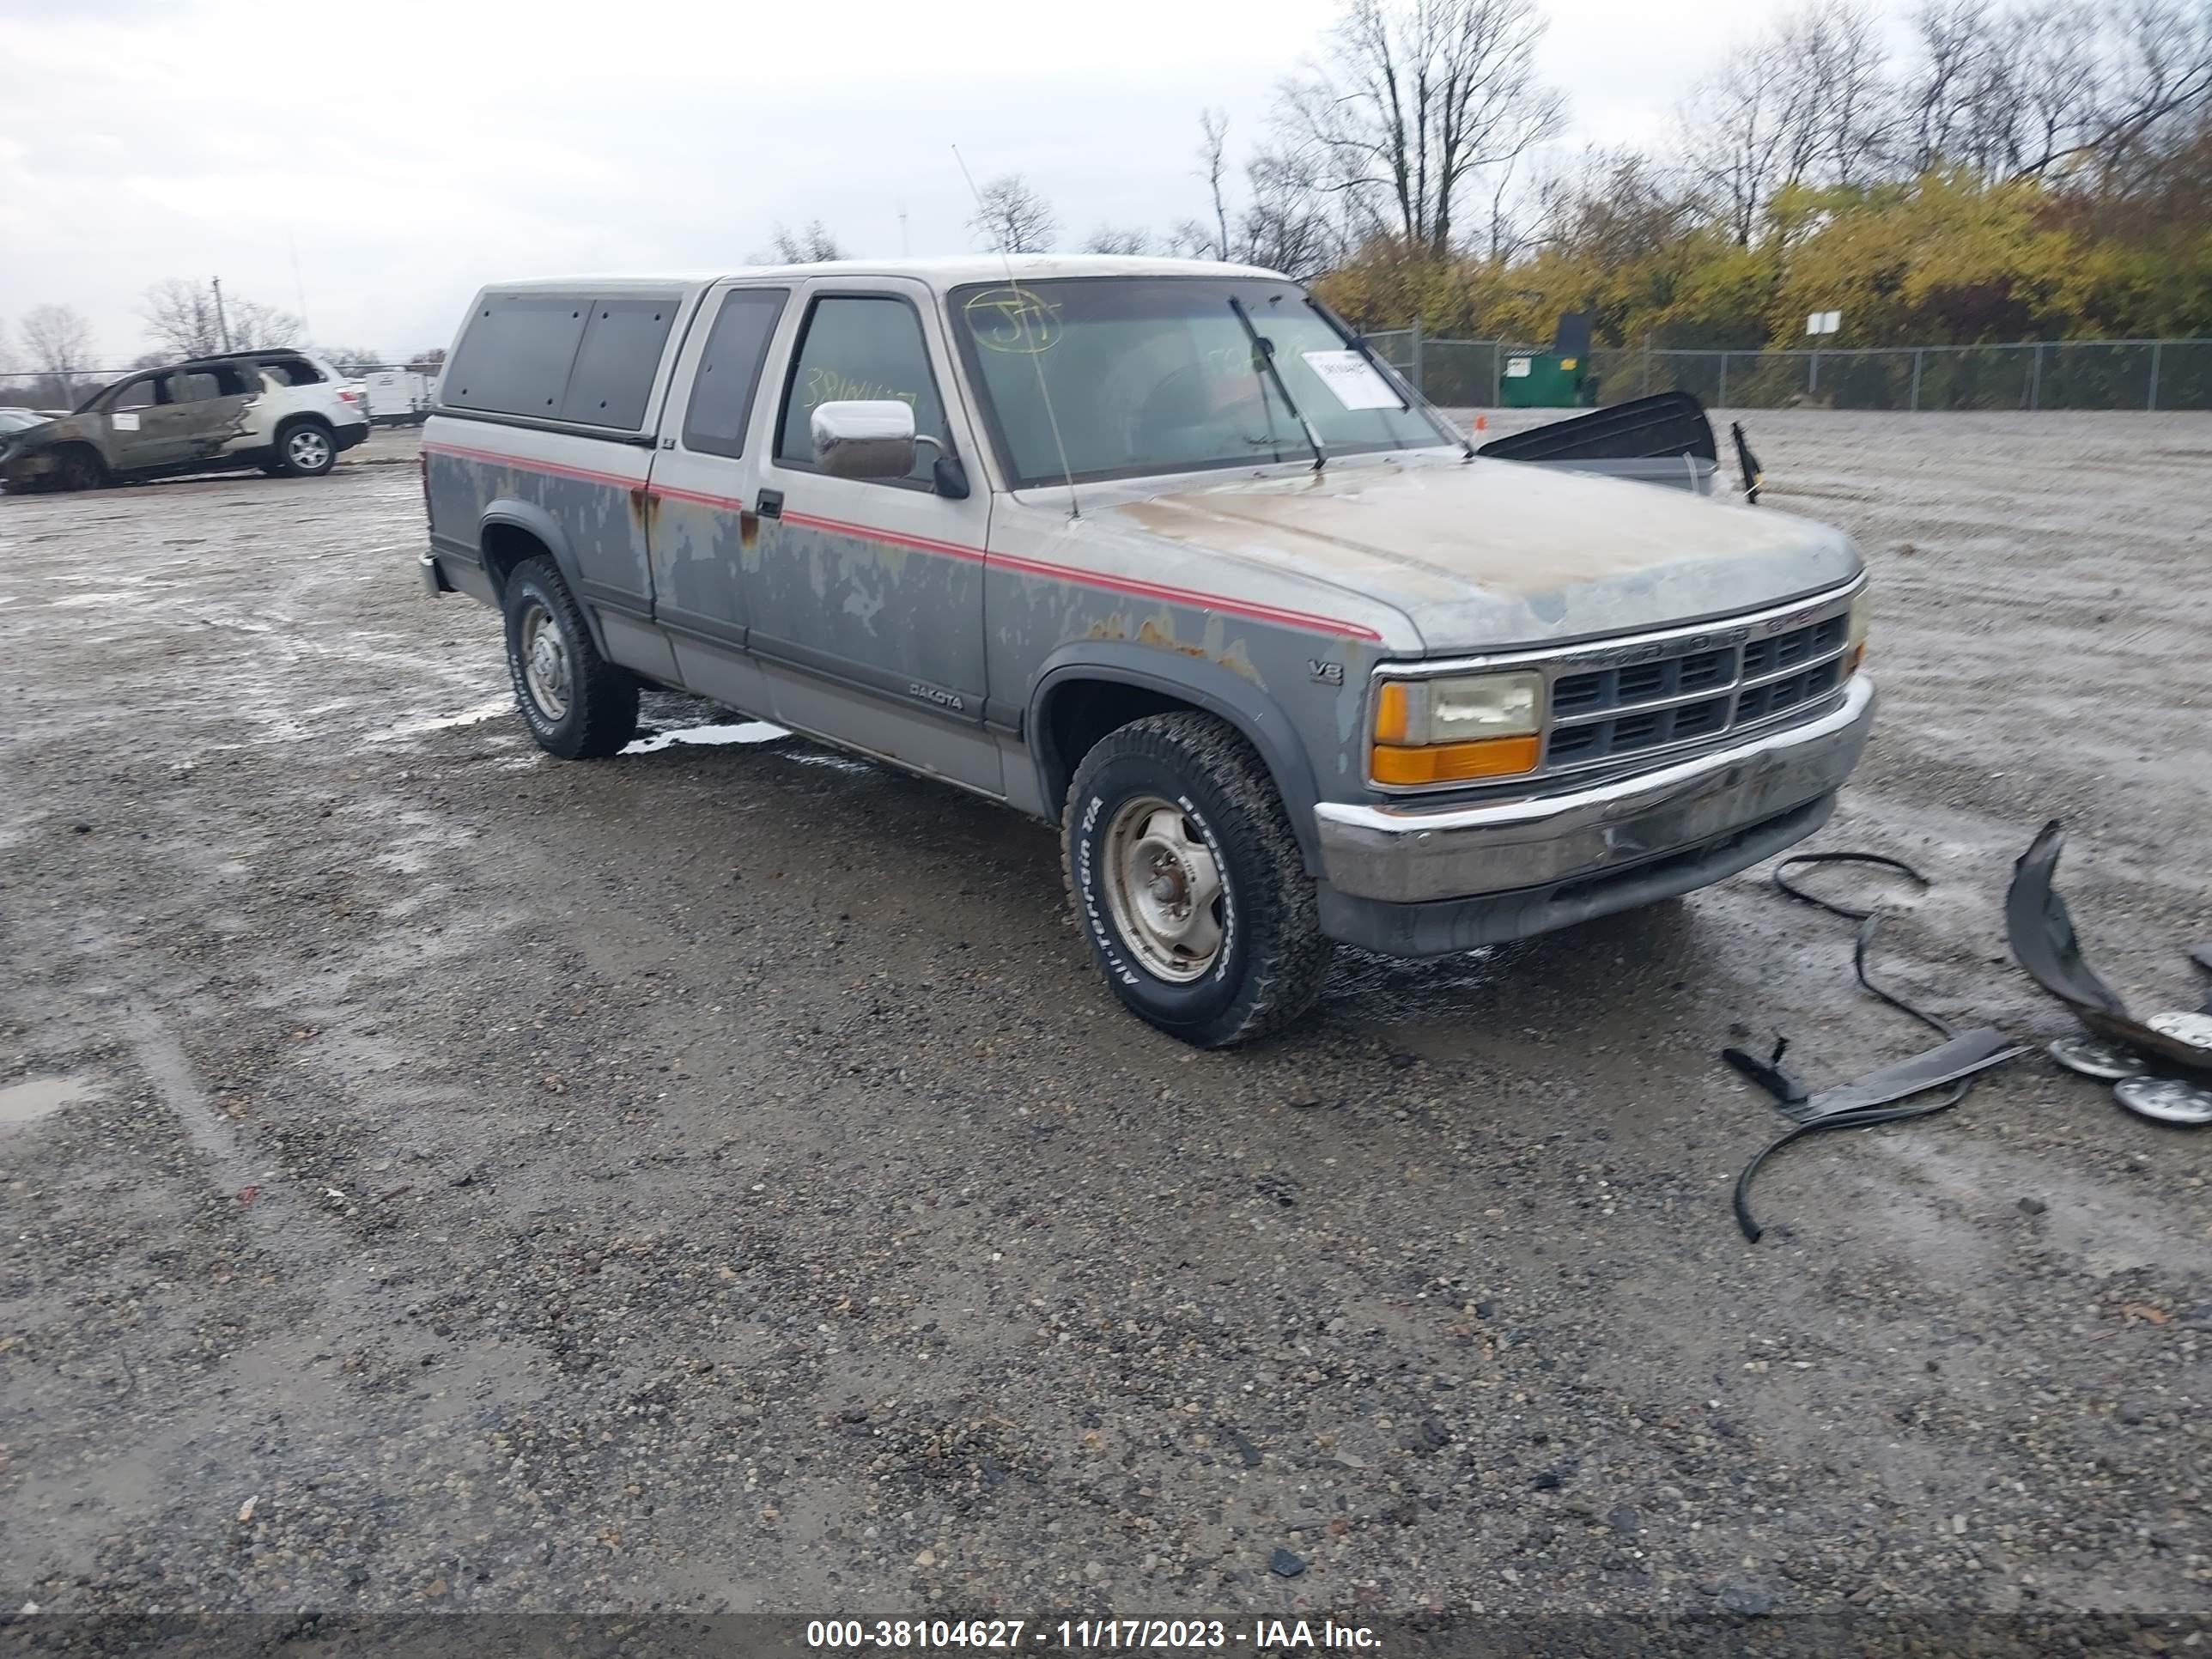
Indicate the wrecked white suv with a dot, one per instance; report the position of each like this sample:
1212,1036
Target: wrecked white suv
287,412
1158,553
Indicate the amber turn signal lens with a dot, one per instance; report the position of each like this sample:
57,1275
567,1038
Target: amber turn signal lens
1450,762
1391,712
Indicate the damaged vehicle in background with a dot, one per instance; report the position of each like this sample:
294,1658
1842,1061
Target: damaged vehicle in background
287,412
1158,553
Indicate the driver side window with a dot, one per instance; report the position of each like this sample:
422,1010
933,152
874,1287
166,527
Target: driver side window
142,393
860,347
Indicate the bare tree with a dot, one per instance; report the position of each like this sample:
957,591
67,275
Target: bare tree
1734,136
1213,159
1012,217
1417,97
813,245
255,326
1119,238
1288,223
58,340
1835,79
1617,208
2053,87
428,362
191,320
1808,103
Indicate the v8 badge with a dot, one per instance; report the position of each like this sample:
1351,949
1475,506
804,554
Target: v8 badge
1328,673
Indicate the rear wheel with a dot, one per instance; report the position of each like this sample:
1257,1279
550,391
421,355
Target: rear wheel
1188,880
305,449
577,704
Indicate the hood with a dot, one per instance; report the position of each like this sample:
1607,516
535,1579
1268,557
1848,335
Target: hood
30,438
1490,554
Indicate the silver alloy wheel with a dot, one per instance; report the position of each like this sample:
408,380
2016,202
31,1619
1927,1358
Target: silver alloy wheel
308,449
545,663
1163,888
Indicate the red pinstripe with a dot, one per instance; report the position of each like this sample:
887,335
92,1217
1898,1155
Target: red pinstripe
950,550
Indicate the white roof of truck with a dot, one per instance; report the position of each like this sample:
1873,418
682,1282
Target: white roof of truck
943,273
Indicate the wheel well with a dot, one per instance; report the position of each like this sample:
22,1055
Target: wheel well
1078,713
303,419
505,546
76,448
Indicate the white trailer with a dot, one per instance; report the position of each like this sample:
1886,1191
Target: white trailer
400,397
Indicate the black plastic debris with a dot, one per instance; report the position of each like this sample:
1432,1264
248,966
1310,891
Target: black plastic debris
2041,932
1285,1564
2043,940
1953,1065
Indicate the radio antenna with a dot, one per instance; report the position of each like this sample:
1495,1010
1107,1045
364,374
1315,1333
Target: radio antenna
1036,352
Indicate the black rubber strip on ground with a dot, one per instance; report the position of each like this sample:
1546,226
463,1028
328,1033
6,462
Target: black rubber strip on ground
1952,1066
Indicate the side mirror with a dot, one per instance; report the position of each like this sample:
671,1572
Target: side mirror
864,439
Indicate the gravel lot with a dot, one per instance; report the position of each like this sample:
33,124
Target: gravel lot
435,1176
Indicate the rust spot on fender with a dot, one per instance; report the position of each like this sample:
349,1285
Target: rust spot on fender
1151,633
748,530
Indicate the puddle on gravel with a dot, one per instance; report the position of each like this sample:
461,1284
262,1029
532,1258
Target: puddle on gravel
743,732
37,1098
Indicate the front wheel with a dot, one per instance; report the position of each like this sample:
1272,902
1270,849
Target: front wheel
577,704
1187,881
79,468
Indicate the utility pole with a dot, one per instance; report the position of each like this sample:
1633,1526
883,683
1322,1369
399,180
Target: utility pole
902,247
221,328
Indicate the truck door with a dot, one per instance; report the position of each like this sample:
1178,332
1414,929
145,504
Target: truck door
863,598
704,527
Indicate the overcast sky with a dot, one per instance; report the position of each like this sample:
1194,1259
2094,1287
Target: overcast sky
369,164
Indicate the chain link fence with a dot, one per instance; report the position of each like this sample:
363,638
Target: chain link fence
2148,374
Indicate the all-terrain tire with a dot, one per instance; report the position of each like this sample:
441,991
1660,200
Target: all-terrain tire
305,449
595,714
1273,955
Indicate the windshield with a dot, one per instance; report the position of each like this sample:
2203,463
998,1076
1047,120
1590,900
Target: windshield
19,420
1157,374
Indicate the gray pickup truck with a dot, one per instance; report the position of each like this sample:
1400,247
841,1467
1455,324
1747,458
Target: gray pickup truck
1157,552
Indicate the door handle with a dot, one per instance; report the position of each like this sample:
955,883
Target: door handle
770,504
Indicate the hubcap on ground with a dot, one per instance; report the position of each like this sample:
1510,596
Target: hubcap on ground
307,448
1163,888
545,663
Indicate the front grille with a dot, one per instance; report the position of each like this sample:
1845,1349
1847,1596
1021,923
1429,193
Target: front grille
1602,714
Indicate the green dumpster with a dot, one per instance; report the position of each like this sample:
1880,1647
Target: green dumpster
1541,379
1557,378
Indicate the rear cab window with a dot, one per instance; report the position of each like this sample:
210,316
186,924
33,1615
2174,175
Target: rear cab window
727,383
571,358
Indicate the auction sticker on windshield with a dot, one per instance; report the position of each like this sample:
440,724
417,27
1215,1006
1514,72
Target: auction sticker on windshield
1351,379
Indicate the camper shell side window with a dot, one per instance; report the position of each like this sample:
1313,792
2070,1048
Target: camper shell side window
571,357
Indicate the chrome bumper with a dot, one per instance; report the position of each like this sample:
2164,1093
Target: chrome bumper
1409,855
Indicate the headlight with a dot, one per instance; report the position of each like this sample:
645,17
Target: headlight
1474,726
1856,645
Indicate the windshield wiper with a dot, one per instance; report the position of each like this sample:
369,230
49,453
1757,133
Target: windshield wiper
1391,377
1265,351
